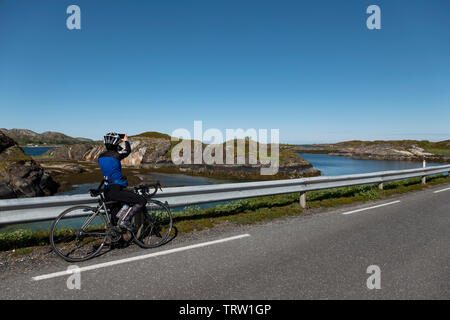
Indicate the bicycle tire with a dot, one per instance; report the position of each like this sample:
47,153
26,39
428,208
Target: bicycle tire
70,234
155,220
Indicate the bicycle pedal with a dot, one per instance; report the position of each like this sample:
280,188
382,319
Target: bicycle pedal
126,237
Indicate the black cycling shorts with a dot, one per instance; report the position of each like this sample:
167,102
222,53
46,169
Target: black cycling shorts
115,192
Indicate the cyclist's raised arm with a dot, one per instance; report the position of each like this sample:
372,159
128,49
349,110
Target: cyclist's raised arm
125,152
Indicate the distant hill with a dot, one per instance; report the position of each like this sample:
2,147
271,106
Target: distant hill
152,134
25,137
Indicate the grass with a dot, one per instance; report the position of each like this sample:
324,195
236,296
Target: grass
26,238
22,252
438,151
22,238
255,210
250,211
438,148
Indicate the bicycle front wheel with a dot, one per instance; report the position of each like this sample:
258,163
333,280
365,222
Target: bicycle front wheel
78,233
152,229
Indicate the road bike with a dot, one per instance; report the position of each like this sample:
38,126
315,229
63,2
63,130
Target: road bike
81,232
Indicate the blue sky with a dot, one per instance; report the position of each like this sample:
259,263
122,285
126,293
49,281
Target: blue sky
309,68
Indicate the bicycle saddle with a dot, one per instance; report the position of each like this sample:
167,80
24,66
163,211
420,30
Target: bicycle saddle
94,192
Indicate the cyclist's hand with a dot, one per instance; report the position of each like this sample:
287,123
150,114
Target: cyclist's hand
125,138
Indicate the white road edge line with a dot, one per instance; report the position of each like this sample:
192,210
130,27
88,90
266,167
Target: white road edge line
374,207
446,189
142,257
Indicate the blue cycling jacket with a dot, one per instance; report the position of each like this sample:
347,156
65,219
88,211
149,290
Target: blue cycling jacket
109,163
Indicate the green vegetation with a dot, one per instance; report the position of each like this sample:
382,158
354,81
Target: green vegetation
22,252
5,165
253,210
27,238
287,155
16,155
13,155
159,135
22,238
152,134
440,148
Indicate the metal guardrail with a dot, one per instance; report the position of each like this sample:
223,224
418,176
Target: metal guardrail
14,211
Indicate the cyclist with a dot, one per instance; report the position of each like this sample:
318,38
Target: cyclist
115,183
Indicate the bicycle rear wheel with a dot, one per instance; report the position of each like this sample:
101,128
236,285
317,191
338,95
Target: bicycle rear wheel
153,227
78,233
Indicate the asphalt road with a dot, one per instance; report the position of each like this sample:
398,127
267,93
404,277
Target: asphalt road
322,256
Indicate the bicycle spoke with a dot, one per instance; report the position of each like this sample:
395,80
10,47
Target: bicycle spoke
155,228
76,237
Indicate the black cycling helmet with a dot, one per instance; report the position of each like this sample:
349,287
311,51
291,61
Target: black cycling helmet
112,139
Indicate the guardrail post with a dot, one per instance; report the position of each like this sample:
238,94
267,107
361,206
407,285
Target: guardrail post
303,200
424,165
381,186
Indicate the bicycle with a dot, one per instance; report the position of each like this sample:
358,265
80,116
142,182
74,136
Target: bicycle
79,233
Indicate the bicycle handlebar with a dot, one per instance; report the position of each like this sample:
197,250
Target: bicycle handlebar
144,188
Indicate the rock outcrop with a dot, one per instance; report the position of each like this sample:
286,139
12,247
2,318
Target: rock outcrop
20,175
144,150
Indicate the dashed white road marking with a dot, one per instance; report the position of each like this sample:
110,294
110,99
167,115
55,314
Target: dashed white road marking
370,208
142,257
446,189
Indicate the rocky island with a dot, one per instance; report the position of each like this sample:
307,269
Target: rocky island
151,152
401,150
